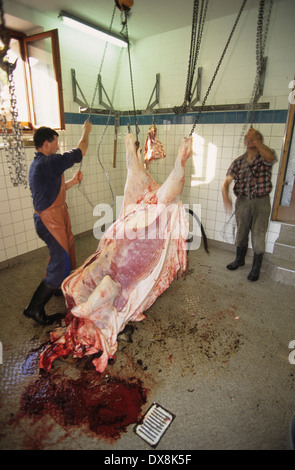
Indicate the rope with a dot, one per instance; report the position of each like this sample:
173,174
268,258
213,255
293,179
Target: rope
217,68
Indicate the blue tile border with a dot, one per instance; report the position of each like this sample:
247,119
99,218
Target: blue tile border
96,119
268,116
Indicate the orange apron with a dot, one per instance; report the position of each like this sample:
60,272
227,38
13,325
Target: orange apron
57,220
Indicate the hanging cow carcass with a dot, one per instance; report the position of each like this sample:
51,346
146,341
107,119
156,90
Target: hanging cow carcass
135,261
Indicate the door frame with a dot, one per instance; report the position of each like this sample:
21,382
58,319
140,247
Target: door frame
284,162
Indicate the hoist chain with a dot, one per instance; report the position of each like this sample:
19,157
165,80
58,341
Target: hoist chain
195,46
218,66
4,36
14,146
194,51
108,120
260,47
131,76
101,64
266,27
196,36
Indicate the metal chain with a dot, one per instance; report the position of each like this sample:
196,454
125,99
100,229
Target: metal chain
101,64
131,76
195,45
193,52
217,68
13,147
3,32
267,26
197,25
106,126
260,47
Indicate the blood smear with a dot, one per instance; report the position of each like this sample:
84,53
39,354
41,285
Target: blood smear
106,404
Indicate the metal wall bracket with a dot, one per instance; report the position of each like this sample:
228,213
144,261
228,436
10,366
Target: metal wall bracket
75,85
84,104
197,87
101,90
156,91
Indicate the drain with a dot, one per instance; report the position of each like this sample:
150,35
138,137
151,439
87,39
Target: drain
154,424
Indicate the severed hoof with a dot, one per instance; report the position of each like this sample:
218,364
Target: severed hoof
86,361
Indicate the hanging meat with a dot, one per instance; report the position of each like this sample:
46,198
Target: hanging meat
153,149
136,260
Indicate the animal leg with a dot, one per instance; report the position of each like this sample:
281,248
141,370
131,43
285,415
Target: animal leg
171,189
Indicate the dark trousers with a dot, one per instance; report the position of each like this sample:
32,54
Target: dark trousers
252,215
59,266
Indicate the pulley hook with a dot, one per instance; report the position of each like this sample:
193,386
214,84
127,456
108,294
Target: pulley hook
124,5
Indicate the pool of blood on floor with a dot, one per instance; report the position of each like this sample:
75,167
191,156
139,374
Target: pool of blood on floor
105,404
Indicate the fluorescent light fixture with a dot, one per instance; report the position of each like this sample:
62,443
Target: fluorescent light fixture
92,29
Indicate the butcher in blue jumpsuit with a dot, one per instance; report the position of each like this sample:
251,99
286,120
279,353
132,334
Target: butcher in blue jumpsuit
51,217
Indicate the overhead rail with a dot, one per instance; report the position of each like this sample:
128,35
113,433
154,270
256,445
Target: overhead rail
150,109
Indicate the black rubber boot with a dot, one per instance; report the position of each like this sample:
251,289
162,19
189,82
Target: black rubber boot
35,309
240,258
58,292
255,271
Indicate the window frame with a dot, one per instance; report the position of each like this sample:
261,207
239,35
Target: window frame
24,40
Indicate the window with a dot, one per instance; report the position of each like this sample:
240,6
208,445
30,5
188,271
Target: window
37,80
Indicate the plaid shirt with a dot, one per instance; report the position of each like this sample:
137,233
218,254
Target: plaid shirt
253,179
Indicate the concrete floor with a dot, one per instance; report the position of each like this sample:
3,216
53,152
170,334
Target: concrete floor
213,350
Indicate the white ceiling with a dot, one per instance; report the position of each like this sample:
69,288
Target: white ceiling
146,18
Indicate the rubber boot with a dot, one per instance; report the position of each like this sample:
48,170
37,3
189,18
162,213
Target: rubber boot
35,309
255,271
240,258
58,292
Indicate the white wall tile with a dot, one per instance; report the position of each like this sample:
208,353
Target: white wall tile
165,54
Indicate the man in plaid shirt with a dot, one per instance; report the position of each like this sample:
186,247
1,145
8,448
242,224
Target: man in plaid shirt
251,174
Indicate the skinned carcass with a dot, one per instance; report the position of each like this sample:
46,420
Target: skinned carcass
136,260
